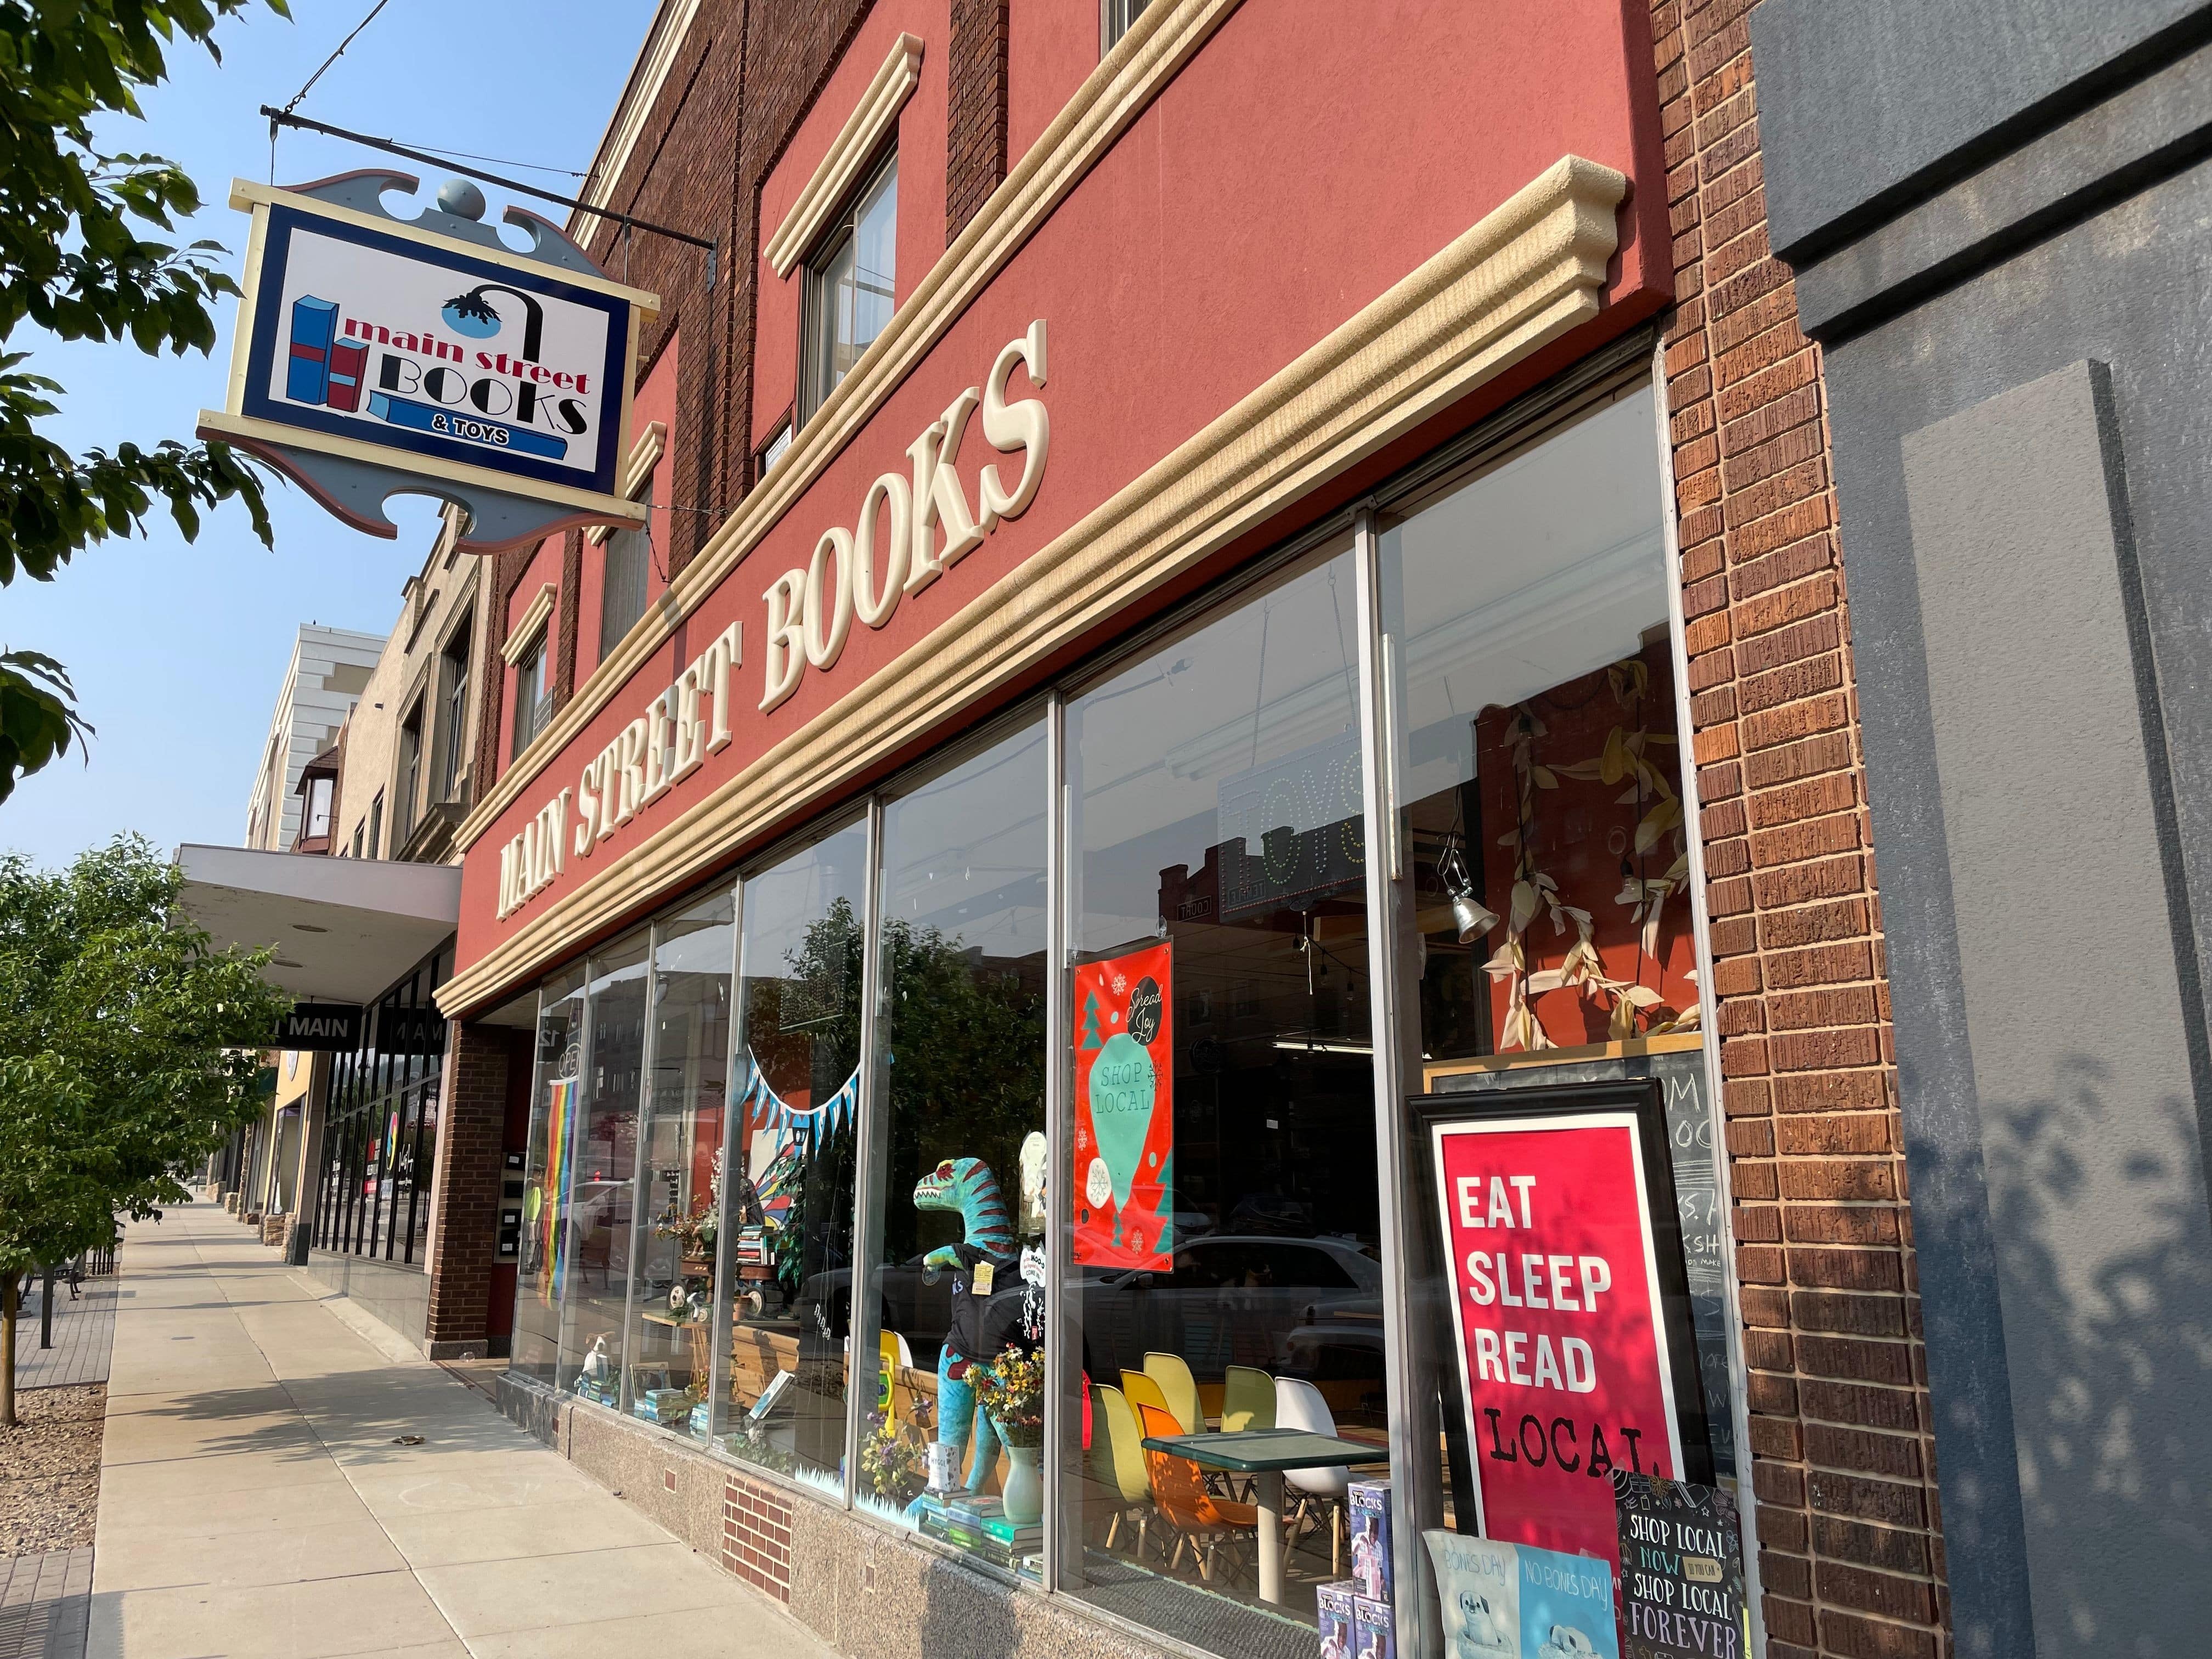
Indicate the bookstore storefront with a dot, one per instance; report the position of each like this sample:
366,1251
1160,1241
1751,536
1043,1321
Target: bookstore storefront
1231,1140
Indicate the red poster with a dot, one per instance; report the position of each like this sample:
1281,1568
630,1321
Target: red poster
1556,1306
1125,1110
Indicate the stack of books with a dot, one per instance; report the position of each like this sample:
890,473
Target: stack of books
979,1525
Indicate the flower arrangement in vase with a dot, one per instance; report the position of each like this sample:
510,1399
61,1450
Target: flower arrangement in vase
1012,1390
894,1462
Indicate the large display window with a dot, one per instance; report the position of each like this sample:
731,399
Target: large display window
678,1209
1224,1273
557,1064
600,1196
1546,919
788,1200
958,1259
1235,1145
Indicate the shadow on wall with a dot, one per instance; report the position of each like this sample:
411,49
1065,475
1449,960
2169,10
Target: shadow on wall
2108,1292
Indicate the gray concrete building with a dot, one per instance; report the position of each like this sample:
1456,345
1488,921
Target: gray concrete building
1999,213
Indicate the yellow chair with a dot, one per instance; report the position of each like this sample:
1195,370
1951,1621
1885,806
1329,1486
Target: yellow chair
1117,1460
1172,1372
1248,1400
1140,1390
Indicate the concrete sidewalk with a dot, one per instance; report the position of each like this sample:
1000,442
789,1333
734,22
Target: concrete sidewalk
253,1500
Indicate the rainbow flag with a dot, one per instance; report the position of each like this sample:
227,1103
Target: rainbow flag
560,1152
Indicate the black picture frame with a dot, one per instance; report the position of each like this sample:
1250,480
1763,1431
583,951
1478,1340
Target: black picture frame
1645,1097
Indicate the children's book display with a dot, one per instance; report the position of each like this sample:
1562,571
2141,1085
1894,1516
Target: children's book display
1517,1601
1355,1614
979,1525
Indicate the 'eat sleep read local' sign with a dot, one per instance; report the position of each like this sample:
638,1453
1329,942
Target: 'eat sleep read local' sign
1563,1344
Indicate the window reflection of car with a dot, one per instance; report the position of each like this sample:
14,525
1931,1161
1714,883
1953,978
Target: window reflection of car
912,1307
1227,1300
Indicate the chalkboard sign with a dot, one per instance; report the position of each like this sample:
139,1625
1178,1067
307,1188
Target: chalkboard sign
1681,1571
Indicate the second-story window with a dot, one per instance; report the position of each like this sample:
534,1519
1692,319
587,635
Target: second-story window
622,594
533,692
1114,18
452,713
409,796
318,810
850,286
376,826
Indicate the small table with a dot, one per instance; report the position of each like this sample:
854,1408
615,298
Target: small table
1264,1454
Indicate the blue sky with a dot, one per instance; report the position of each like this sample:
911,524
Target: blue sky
178,648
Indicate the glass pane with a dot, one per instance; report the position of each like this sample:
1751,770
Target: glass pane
1550,925
855,289
595,1270
1225,1205
790,1209
960,1282
679,1198
622,592
869,302
555,1100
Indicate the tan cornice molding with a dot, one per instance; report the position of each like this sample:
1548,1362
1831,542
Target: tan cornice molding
640,93
644,455
853,148
1164,37
529,626
1528,272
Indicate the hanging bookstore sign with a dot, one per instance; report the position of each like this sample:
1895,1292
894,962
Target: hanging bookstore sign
377,355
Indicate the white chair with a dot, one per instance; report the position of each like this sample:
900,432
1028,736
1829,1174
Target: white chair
1299,1405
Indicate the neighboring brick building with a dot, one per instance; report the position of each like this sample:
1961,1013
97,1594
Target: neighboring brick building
1850,1553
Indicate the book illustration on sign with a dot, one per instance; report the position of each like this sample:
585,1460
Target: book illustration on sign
1504,1600
329,355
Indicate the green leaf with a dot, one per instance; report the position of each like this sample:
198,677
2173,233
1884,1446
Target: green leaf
73,264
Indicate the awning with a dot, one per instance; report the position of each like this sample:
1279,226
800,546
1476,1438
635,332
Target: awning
344,929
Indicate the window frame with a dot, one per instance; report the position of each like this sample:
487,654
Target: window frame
1115,19
452,745
407,781
629,541
814,315
532,712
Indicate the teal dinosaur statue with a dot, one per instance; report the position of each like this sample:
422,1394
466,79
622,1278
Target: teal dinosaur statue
965,1186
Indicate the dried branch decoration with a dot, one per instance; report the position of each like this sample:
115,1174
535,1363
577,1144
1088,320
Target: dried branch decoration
1625,758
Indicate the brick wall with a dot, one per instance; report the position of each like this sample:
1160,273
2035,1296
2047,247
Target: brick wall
472,1138
975,150
1851,1557
756,1536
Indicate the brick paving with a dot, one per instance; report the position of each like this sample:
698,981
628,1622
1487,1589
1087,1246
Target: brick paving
45,1605
84,1336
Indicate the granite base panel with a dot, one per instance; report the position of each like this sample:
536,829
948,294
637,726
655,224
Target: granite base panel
864,1589
395,1293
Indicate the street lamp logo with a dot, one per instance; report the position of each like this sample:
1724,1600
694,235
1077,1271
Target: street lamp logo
423,383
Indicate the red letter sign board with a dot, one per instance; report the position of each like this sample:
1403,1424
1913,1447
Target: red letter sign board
1557,1305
